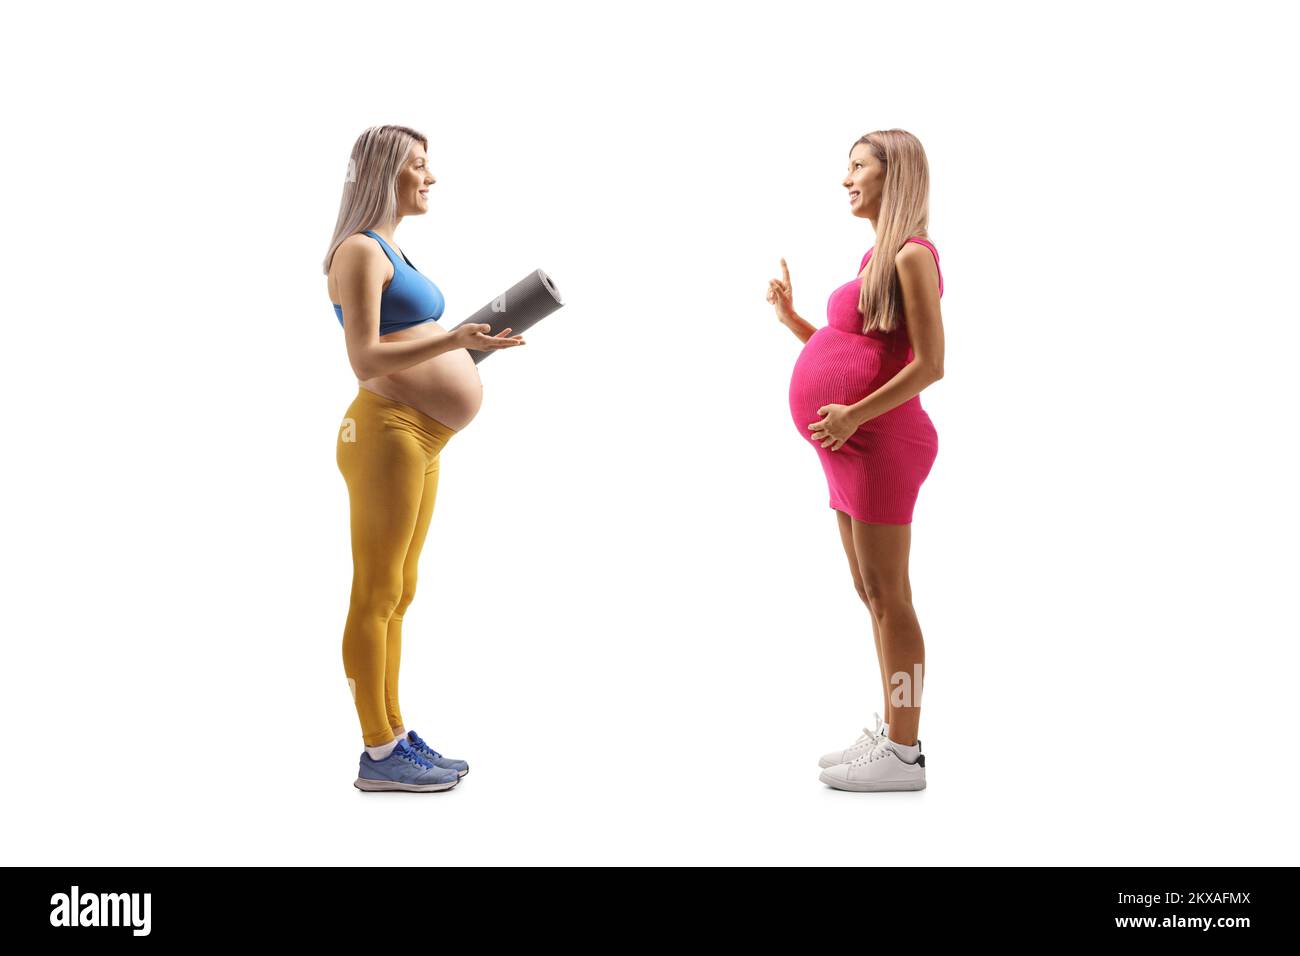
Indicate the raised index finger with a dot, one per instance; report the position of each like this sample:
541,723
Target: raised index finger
785,272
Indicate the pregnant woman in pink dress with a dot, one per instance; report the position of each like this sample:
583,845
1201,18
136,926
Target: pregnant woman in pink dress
855,397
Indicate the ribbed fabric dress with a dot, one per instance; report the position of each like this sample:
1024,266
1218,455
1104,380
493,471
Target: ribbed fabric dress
876,475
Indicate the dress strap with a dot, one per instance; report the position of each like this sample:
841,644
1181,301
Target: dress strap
934,252
925,242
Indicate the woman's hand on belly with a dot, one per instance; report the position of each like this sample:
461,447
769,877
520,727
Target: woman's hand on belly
837,426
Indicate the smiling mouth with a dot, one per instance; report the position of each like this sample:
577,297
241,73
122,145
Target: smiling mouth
854,195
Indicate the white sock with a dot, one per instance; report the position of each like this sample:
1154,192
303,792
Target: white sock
383,750
908,753
884,729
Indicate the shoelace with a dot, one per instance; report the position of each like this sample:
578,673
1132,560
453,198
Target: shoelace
879,748
870,735
414,757
421,746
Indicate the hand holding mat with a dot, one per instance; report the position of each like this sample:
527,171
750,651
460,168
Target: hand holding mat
520,307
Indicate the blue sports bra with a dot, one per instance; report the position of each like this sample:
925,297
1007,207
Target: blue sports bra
410,298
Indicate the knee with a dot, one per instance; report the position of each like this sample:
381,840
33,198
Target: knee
407,596
863,595
380,599
884,597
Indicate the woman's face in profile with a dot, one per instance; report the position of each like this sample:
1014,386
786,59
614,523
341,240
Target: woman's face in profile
413,184
865,182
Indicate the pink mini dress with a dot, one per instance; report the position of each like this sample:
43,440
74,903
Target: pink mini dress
876,475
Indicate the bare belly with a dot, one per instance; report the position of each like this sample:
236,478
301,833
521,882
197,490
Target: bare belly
445,387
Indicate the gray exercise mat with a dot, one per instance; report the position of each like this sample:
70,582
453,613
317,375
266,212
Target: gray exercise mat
519,308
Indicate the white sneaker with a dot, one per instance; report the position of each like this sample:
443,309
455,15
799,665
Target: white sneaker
860,746
880,768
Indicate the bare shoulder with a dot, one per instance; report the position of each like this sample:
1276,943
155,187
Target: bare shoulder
358,263
915,262
358,247
359,255
914,253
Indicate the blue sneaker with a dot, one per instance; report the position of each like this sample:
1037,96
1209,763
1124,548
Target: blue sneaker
403,769
433,757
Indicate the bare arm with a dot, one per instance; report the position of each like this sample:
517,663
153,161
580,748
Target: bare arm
918,280
361,268
801,327
372,358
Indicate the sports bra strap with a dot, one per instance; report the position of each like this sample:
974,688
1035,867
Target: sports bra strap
388,249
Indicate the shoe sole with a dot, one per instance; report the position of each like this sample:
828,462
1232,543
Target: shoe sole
375,786
866,787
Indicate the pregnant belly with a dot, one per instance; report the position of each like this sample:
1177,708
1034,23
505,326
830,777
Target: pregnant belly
838,368
446,387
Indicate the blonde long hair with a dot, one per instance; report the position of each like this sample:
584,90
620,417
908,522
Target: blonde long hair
370,189
904,212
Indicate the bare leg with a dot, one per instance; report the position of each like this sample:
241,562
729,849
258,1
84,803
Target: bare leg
846,538
883,551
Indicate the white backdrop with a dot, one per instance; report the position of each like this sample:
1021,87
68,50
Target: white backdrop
635,618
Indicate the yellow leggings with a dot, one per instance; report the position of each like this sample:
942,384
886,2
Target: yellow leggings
388,454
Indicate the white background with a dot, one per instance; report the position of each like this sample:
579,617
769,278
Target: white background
635,618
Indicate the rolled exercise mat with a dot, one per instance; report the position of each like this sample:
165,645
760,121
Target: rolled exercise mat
519,308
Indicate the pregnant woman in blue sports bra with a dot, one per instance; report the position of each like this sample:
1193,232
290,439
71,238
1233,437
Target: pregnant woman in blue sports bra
417,387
